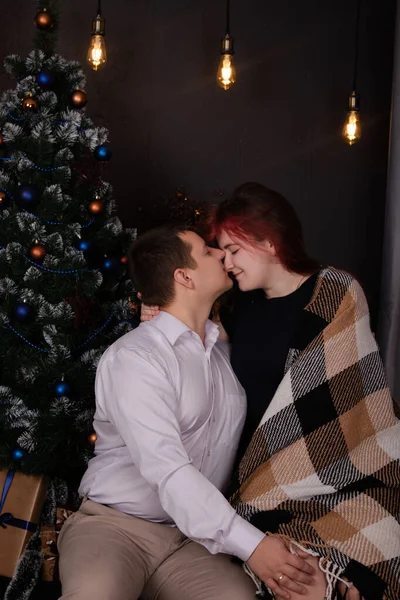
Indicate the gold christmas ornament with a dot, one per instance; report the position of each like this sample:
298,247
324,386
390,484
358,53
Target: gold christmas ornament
30,104
43,20
79,99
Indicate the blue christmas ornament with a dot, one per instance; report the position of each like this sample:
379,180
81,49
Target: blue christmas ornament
103,153
27,196
17,454
22,312
110,265
62,389
44,79
84,245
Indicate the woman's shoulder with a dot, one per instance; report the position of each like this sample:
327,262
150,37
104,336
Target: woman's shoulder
337,282
332,288
337,276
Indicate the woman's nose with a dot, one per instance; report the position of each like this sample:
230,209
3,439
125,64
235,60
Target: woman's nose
228,262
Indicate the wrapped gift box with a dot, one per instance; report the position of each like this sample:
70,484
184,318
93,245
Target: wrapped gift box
21,502
49,534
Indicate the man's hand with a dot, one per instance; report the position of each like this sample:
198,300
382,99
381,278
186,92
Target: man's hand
280,570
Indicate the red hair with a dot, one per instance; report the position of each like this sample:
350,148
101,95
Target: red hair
255,213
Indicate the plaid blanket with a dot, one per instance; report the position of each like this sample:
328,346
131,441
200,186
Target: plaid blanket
323,466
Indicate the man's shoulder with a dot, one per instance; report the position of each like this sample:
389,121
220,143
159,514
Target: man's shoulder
143,340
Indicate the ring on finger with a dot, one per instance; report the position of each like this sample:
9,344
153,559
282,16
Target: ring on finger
280,577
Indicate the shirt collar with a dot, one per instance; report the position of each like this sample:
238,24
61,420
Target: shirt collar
173,328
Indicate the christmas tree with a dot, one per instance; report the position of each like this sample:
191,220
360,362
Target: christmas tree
64,295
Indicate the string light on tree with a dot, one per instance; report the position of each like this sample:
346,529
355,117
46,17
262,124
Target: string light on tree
97,54
351,131
226,75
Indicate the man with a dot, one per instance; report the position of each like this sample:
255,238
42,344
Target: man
169,414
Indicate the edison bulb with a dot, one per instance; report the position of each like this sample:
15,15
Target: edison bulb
97,54
226,71
352,128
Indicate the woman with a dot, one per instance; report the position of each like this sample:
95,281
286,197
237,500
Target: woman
320,447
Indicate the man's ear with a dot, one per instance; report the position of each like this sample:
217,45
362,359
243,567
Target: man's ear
182,277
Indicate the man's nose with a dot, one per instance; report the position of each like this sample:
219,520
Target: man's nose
218,253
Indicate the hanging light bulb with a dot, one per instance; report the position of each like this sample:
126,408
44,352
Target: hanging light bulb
226,70
97,54
352,127
351,131
226,75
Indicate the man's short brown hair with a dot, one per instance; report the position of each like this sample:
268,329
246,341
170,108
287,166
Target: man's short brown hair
154,258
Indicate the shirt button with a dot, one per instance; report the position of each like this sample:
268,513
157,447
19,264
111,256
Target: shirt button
208,453
213,420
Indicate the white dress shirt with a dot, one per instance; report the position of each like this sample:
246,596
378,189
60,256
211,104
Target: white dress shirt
169,414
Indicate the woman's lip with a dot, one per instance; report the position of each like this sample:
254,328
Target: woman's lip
237,274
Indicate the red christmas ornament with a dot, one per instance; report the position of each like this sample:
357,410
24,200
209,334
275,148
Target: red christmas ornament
37,252
79,99
43,20
96,207
92,439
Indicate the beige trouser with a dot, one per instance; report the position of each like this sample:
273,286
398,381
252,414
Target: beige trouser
108,555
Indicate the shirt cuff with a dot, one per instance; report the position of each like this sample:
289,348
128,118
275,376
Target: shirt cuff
242,539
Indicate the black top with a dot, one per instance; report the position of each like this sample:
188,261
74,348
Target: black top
261,331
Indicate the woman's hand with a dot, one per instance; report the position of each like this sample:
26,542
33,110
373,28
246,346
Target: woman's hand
282,571
148,312
352,592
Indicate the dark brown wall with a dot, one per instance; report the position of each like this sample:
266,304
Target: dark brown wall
170,125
